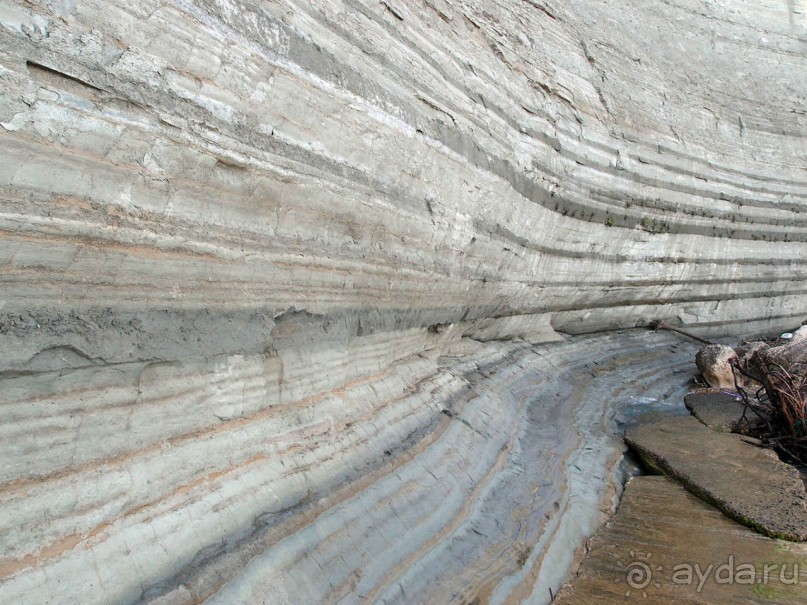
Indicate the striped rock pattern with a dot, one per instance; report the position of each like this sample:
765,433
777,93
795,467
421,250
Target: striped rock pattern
279,280
455,470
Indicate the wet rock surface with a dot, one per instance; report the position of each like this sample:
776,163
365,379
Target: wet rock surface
747,483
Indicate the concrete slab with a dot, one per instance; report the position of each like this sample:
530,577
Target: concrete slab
748,483
718,410
664,545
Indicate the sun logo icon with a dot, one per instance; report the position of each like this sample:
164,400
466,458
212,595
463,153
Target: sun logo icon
639,574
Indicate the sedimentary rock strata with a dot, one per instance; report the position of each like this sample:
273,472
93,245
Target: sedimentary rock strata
447,469
272,274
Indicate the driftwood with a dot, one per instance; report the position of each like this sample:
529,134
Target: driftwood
780,400
661,325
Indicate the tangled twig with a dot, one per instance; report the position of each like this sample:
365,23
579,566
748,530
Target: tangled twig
781,403
747,405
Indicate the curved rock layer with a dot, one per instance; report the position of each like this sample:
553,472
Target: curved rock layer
596,162
270,271
456,470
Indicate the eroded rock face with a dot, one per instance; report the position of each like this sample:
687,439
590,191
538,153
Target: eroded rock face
227,228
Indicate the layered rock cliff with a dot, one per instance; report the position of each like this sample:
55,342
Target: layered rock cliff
275,277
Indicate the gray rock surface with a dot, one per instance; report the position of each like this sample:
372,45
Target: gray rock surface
749,484
718,410
250,251
495,459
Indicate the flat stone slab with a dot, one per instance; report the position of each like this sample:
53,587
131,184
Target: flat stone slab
748,483
717,410
664,545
